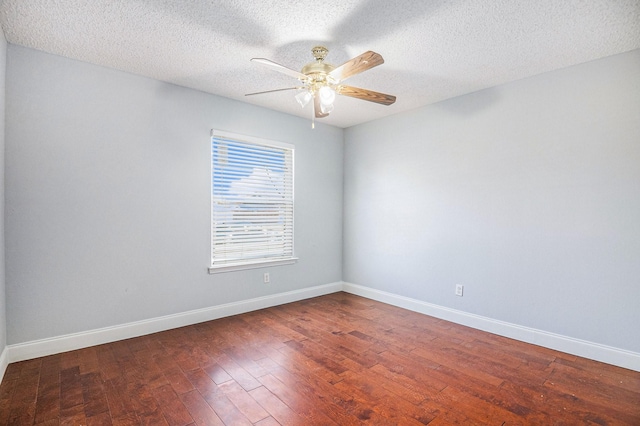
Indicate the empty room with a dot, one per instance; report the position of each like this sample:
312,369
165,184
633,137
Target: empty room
320,213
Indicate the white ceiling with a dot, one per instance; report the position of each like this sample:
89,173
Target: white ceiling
433,49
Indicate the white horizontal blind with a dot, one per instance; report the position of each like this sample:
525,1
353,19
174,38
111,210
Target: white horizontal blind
251,200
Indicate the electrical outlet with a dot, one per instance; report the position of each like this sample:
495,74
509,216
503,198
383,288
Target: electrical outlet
459,289
267,280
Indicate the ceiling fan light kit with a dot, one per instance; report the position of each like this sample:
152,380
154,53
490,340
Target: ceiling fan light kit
321,81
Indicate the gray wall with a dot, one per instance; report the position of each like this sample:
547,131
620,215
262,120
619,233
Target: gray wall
108,198
528,194
3,304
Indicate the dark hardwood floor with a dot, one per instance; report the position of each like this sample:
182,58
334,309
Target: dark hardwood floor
336,359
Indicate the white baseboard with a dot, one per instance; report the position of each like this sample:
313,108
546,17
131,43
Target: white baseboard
4,362
69,342
44,347
595,351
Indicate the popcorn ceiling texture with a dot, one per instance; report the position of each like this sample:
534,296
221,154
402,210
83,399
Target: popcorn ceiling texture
433,50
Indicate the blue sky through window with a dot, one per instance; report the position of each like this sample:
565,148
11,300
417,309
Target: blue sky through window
237,161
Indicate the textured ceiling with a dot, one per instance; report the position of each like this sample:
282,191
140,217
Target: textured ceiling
433,50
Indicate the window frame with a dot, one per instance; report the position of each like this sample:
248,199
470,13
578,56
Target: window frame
255,262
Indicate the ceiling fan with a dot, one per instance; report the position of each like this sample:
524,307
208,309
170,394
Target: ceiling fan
322,81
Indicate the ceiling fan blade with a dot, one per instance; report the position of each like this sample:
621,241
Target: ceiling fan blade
317,108
280,68
274,90
356,65
366,95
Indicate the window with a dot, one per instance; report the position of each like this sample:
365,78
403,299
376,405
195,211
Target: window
251,202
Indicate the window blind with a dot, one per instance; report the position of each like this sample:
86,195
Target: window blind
251,200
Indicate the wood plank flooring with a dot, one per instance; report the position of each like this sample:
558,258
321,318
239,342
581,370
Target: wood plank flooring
333,360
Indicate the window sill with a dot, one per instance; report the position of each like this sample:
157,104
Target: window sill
241,267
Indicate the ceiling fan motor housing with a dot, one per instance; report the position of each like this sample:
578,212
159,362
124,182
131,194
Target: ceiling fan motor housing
318,71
